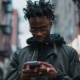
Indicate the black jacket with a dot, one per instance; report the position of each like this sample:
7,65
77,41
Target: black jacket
62,57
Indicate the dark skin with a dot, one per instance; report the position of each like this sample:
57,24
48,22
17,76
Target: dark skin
41,36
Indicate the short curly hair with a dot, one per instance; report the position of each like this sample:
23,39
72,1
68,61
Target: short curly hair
38,9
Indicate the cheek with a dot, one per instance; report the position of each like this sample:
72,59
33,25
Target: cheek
41,34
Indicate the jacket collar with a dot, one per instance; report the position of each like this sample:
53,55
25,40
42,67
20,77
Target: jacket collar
56,38
54,51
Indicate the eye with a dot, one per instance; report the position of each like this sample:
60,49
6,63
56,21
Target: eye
43,29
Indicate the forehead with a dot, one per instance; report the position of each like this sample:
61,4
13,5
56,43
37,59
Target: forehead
38,21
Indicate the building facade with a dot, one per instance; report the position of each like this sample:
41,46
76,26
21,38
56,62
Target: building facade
66,22
5,25
8,27
65,19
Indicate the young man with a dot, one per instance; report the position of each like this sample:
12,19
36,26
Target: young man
55,60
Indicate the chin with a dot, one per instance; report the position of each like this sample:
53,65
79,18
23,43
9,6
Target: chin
41,41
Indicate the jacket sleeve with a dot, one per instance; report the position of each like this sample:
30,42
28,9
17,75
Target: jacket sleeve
74,68
13,68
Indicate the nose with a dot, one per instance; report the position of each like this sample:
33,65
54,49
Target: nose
38,34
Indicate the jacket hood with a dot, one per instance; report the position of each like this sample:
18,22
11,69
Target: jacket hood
54,38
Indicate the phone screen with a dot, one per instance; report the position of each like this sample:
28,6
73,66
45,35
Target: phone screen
33,64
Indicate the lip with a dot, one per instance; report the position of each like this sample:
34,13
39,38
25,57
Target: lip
40,39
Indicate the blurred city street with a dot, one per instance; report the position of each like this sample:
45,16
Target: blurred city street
14,29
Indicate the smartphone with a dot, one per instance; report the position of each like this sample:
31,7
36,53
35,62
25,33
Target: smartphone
33,64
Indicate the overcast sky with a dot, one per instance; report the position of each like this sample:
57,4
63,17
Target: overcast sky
23,25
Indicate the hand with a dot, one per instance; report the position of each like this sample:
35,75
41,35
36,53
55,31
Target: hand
28,72
47,69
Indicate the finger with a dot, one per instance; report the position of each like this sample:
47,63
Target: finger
25,65
32,74
45,63
28,70
42,70
28,75
35,69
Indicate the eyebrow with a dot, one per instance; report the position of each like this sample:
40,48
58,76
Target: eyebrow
40,26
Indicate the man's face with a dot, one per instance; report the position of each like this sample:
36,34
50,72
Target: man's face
40,28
